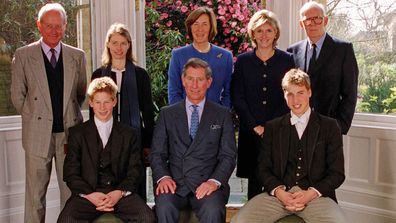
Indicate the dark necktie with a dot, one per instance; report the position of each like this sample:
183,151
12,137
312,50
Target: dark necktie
194,121
53,58
312,61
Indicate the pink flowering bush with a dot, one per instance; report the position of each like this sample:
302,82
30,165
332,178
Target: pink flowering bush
165,30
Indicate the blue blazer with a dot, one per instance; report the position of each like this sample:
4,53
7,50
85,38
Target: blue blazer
211,155
334,80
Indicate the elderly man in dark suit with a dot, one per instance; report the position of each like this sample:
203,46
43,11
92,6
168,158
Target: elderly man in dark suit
47,89
331,65
193,152
301,162
103,164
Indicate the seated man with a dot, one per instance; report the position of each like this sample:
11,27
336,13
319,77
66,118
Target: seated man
301,162
193,152
103,164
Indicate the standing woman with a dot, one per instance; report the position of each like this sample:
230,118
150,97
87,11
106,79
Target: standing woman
135,105
201,26
256,91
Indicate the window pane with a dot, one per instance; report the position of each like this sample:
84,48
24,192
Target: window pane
371,26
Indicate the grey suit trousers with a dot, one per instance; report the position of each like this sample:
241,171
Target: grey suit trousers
264,208
38,173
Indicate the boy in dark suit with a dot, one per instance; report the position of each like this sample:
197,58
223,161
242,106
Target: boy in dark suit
301,162
103,164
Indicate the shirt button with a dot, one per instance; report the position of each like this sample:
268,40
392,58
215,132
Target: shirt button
296,182
264,102
264,89
265,75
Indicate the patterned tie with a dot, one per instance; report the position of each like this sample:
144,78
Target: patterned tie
312,61
53,58
194,121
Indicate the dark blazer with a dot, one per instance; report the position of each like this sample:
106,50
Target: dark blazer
80,170
189,162
324,155
257,96
145,103
334,81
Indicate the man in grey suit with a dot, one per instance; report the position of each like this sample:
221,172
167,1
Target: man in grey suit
47,89
193,152
333,69
301,162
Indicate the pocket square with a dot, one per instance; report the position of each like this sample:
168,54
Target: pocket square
214,127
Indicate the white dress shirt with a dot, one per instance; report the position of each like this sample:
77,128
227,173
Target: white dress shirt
47,50
104,129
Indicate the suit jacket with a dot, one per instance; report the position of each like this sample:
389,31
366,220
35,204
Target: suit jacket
145,103
80,170
324,154
211,155
334,80
31,96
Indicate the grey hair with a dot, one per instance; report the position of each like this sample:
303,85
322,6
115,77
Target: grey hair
310,5
52,7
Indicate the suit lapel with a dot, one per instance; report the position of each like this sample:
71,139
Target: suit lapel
37,62
116,143
301,55
94,142
68,73
284,142
325,52
313,128
180,117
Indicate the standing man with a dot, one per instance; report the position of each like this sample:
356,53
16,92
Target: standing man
301,162
331,65
193,152
47,89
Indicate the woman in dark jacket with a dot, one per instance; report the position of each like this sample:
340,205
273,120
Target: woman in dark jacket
256,91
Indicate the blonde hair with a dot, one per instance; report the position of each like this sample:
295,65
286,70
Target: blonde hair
102,84
296,77
259,18
121,29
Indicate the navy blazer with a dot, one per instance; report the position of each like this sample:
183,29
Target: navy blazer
211,155
334,81
324,154
80,170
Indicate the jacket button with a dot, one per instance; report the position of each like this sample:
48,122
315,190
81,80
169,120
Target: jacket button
264,102
39,118
35,98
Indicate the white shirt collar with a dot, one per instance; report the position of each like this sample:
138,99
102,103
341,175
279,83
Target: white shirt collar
47,48
294,119
104,129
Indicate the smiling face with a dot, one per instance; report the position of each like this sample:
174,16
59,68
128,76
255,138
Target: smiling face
52,28
297,98
313,30
102,104
196,84
200,29
118,46
264,36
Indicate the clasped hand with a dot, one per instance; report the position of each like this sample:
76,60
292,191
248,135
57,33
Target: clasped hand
295,201
104,202
168,185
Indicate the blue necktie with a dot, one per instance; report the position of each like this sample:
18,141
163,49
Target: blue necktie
194,121
53,58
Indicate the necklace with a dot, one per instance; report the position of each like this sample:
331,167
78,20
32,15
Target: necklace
204,50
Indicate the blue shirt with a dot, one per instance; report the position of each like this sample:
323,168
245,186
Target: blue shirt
220,61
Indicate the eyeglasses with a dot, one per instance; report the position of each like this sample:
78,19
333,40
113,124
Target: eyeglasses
317,20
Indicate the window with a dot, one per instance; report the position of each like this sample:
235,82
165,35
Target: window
371,26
